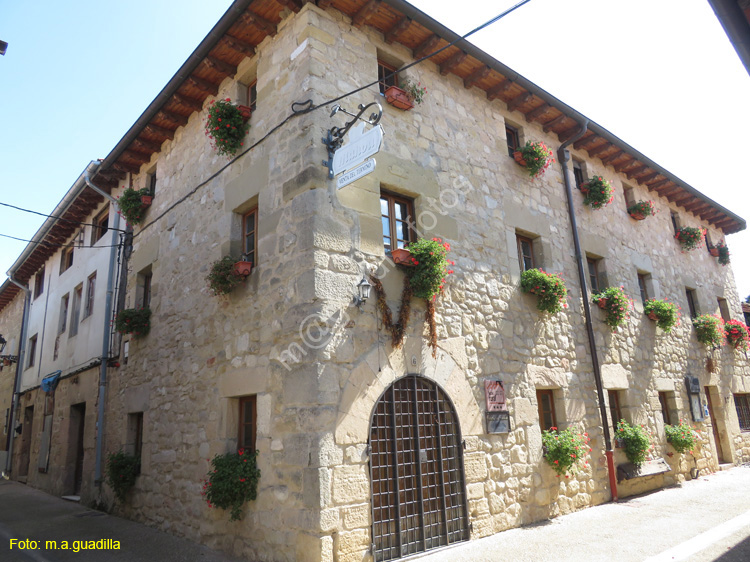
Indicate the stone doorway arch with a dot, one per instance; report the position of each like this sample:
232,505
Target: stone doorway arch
416,470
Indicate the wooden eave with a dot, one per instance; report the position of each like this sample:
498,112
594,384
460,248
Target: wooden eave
248,22
8,292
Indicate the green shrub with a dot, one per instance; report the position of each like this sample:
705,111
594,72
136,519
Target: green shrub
225,127
131,206
682,437
430,258
598,192
615,303
690,237
136,321
232,482
663,312
548,287
636,442
122,470
564,448
709,329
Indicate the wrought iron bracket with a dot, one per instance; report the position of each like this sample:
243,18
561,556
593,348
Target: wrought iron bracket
335,136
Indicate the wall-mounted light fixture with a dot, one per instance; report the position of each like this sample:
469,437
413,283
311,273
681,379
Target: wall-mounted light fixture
2,343
363,292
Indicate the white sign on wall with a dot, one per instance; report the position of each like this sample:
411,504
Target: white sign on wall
353,175
361,146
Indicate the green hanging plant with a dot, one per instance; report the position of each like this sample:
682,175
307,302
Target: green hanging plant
224,276
536,157
232,482
636,441
131,204
136,321
564,449
690,237
682,437
226,127
709,329
616,303
664,313
122,470
548,287
598,192
723,252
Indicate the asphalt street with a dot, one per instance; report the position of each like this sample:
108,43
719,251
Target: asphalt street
702,520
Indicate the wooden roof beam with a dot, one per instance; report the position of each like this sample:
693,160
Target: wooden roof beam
147,145
612,157
190,103
598,149
668,191
176,118
620,167
220,66
519,100
238,46
585,141
648,178
398,28
657,184
538,112
362,17
547,127
427,46
494,92
261,24
204,85
137,156
126,167
293,5
323,4
452,62
697,206
569,133
635,171
159,131
479,74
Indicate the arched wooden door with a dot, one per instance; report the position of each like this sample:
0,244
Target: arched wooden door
416,471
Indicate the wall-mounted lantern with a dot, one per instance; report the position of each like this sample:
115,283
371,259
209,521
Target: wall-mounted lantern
363,292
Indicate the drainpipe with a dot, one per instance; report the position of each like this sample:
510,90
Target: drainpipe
19,370
563,157
106,329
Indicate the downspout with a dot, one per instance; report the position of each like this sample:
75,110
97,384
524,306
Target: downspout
19,370
106,327
563,157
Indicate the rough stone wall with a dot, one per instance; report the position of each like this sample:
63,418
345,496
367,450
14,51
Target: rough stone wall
318,365
10,327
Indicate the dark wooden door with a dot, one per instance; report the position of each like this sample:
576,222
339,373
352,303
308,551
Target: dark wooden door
416,469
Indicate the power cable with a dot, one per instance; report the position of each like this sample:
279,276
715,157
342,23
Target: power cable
53,216
55,245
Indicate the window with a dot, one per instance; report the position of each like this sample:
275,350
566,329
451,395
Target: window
525,253
90,290
247,428
63,322
676,222
146,298
125,352
692,302
512,138
642,287
629,197
249,236
66,259
593,265
664,403
384,80
396,215
32,351
135,436
101,225
77,297
546,402
252,95
578,173
39,283
709,243
724,309
152,182
742,403
614,408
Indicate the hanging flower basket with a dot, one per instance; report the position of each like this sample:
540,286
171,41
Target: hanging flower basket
398,98
225,126
402,256
723,253
598,192
714,252
548,287
146,200
709,329
737,334
245,111
641,210
616,303
243,268
132,205
224,276
536,157
136,321
664,313
690,237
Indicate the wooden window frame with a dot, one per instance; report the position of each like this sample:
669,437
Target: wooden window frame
520,239
244,427
392,200
252,96
550,394
75,315
39,283
742,404
664,402
643,287
88,308
66,259
32,351
578,173
615,409
692,306
512,138
152,183
724,309
63,320
146,298
594,277
101,226
384,69
251,254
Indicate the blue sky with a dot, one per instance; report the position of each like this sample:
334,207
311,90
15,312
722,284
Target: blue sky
660,75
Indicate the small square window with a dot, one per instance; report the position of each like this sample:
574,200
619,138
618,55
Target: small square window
135,437
66,259
629,196
32,351
63,322
152,183
513,139
525,253
75,314
676,222
546,403
386,76
247,423
396,217
146,289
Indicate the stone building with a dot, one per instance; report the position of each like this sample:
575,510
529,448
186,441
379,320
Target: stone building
366,450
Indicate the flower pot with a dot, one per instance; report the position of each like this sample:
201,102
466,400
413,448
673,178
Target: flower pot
246,112
402,256
146,200
398,98
518,157
243,268
637,216
653,316
714,252
584,188
619,443
602,303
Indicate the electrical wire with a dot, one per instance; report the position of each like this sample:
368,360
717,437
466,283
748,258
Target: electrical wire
312,107
54,245
52,216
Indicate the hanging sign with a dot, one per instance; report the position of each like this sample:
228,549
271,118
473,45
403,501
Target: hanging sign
494,395
353,175
361,146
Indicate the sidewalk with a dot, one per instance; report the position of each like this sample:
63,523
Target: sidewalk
27,513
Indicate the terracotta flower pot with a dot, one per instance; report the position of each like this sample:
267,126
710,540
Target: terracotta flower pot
602,303
243,268
714,252
653,316
518,157
637,216
398,98
146,200
402,256
246,112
